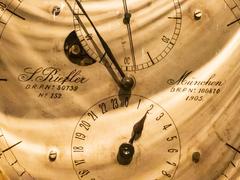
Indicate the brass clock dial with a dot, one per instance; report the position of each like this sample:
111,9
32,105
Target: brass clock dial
106,126
128,27
67,66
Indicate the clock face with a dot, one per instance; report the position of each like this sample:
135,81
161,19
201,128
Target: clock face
160,31
95,142
131,89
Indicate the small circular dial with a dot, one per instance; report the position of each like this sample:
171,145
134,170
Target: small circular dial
115,122
159,22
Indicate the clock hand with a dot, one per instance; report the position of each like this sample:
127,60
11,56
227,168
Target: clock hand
126,82
84,28
126,150
126,21
104,44
138,127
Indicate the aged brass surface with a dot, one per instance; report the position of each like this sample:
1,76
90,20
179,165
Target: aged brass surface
188,65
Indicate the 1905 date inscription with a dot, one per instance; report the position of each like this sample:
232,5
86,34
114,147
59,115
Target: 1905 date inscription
194,88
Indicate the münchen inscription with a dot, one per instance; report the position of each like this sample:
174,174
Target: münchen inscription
185,80
194,88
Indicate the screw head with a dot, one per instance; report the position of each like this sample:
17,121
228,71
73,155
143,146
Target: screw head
52,155
56,11
196,157
197,14
125,154
128,82
75,49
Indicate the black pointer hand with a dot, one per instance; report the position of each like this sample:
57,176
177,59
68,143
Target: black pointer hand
104,44
100,54
126,150
126,21
138,127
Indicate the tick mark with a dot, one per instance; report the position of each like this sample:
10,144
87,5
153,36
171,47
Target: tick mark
23,173
3,23
233,164
235,149
3,79
14,162
21,17
11,146
150,57
231,23
225,175
78,14
139,102
174,17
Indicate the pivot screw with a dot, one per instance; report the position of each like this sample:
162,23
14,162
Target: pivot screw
52,155
127,17
56,10
128,82
196,157
75,49
125,154
197,14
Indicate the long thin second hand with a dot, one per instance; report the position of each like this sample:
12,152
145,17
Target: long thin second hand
100,54
104,44
84,28
126,20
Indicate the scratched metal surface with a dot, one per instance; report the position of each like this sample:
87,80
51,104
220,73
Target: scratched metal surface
207,47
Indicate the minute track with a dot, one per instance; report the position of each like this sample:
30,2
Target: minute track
136,50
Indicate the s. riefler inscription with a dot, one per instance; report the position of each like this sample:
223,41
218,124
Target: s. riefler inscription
51,81
195,88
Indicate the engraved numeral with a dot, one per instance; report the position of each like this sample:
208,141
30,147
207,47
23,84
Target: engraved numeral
165,39
2,6
171,138
85,125
165,173
103,107
78,149
83,173
79,162
159,117
125,102
92,115
114,103
167,126
80,136
139,102
172,163
172,150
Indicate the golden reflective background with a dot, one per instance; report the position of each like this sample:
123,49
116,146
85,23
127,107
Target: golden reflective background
206,47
